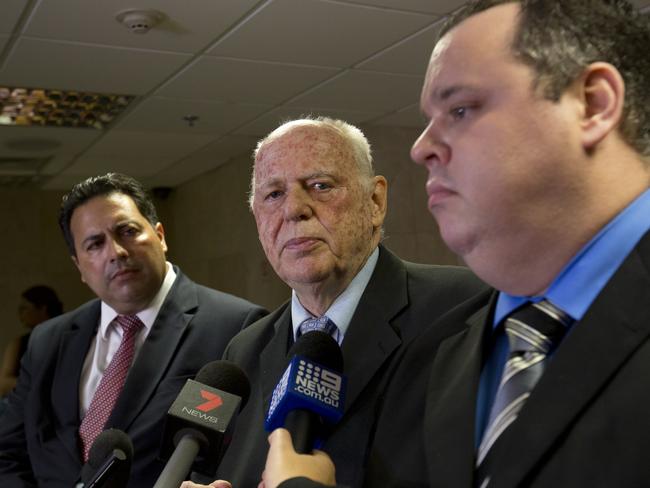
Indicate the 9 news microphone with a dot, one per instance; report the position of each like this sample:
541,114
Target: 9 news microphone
109,461
200,422
311,392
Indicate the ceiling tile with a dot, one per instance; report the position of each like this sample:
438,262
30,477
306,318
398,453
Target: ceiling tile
11,10
43,141
409,56
424,6
271,120
48,64
167,115
58,163
133,166
238,81
363,91
315,32
133,145
204,160
3,42
189,25
407,117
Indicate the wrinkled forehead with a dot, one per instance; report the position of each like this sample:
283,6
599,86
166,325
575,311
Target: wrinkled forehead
303,146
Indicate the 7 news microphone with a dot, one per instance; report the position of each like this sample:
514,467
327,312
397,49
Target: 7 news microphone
311,393
109,461
201,421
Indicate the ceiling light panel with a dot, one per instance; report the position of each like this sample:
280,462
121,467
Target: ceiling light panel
59,108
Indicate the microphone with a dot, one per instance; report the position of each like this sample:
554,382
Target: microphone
311,392
201,421
109,461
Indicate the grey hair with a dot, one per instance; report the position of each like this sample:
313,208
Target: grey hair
348,133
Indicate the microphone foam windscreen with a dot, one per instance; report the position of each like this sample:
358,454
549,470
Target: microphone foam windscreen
226,376
104,445
320,348
206,411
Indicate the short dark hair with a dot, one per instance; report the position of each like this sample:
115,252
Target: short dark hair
559,39
44,296
99,186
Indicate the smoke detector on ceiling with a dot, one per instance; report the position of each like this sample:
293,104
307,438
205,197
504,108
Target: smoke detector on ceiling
139,21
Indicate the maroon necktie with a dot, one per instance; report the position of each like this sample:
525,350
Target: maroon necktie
110,385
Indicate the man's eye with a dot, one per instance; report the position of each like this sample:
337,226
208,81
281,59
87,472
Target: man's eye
274,195
458,113
130,231
320,186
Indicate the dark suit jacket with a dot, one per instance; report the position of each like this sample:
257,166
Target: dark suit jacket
399,301
586,423
38,432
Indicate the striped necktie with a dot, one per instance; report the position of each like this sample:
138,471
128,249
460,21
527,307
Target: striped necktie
322,324
533,331
110,385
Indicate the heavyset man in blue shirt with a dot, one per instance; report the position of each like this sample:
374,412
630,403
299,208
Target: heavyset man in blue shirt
537,147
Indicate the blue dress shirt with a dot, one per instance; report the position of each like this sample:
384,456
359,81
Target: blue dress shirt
573,290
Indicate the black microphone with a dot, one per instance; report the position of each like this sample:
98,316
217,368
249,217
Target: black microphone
109,461
311,393
201,421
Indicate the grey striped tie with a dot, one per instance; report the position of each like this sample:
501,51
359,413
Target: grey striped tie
322,324
533,332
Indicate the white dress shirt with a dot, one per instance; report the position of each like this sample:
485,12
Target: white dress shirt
343,308
108,339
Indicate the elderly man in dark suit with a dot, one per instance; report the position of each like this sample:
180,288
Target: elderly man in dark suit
118,361
319,209
538,152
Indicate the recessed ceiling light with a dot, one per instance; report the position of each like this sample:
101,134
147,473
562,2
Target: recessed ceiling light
46,107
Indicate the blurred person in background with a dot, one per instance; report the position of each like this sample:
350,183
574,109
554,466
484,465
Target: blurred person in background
37,304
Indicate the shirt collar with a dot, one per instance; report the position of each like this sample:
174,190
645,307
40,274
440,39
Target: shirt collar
149,314
343,308
587,273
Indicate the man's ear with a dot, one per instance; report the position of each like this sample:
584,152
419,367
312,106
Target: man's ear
603,94
160,232
379,199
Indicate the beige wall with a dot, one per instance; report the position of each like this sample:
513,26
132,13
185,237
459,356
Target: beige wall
33,253
212,235
210,232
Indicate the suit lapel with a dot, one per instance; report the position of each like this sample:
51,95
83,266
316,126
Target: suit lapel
156,352
65,385
608,335
273,357
451,401
370,339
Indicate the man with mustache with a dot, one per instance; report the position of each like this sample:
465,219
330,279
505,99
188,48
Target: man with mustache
319,210
117,361
537,147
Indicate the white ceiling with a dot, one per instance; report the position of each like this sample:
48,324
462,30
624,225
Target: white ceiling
241,66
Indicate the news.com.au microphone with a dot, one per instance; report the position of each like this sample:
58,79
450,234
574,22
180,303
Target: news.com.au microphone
311,393
109,461
201,421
